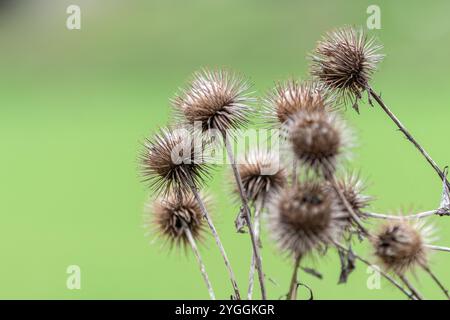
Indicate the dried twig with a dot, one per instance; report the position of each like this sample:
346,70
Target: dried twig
292,295
436,280
437,248
191,240
384,274
407,134
410,286
216,237
257,218
247,217
392,217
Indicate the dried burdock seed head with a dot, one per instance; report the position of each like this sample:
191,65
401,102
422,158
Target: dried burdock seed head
353,187
217,99
399,245
262,175
305,217
173,160
168,217
318,139
345,60
292,96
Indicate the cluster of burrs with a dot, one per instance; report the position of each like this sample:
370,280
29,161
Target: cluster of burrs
301,190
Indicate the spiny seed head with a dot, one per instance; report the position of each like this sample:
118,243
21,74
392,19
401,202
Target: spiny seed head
217,99
262,175
292,96
173,160
353,187
168,217
318,139
345,60
400,246
305,217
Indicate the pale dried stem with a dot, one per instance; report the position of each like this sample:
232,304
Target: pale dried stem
247,216
437,248
191,240
383,273
217,238
410,286
408,135
436,280
392,217
257,218
292,295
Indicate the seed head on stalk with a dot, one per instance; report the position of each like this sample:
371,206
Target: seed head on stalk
168,215
287,98
345,61
171,158
305,217
217,99
318,139
400,245
262,175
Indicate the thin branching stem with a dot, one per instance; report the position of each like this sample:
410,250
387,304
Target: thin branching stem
437,248
392,217
408,135
292,295
191,240
205,213
247,216
383,273
294,172
436,280
410,286
257,218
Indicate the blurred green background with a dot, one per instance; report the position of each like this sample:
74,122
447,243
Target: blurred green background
75,105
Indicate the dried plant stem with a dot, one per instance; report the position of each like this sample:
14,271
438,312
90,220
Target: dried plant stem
257,218
246,209
412,216
384,274
348,207
437,248
294,172
188,233
410,286
408,135
436,280
292,295
216,237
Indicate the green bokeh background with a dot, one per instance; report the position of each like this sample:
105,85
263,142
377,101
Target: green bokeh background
74,106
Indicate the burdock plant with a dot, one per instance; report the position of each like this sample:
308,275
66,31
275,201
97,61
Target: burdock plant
345,61
178,219
174,161
318,139
287,98
219,100
400,245
309,209
263,176
305,218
